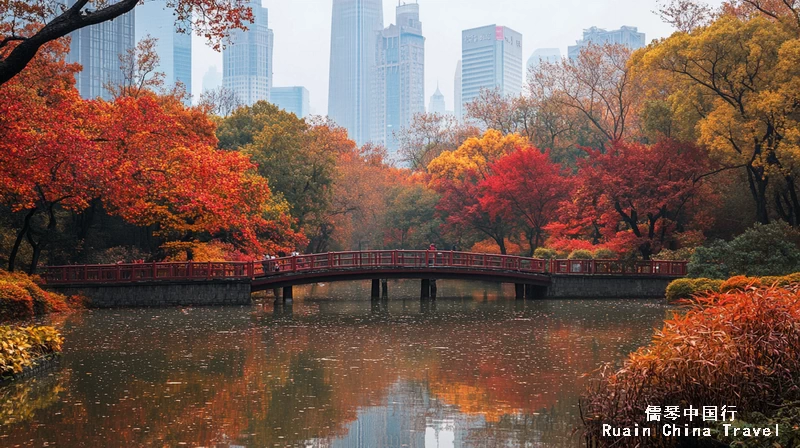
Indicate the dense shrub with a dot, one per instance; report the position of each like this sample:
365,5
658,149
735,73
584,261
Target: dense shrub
19,347
15,302
580,254
686,288
604,254
741,348
21,297
772,249
739,283
545,253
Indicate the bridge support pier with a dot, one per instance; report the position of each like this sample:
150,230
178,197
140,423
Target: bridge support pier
384,288
425,290
433,288
376,289
287,293
519,290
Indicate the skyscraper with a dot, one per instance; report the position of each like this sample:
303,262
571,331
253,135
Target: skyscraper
212,79
437,105
291,99
247,59
174,49
457,105
492,59
355,27
97,49
399,90
625,35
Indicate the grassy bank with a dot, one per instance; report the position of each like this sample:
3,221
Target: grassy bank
738,347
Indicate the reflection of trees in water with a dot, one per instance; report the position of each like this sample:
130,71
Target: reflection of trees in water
210,376
21,400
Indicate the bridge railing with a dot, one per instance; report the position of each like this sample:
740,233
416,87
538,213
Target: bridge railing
399,258
175,271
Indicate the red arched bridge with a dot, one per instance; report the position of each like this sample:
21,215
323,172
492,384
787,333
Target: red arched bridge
530,275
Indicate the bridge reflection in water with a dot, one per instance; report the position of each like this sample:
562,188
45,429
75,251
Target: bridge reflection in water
531,276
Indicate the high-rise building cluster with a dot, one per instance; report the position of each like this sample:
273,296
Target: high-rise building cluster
376,76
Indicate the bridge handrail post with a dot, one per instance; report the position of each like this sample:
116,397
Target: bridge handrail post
154,270
293,263
208,271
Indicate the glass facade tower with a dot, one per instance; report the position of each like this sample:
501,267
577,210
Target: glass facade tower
174,49
355,27
97,49
247,59
400,77
291,99
491,59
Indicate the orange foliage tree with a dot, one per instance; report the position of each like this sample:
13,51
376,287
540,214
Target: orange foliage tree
150,159
45,164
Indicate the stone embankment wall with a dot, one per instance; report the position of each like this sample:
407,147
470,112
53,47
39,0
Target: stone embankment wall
156,294
606,287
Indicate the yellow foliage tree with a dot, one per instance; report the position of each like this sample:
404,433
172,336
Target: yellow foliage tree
738,82
474,155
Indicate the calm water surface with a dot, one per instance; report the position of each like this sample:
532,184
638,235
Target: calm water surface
477,368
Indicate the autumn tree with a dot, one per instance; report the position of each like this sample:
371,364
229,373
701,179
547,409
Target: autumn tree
459,177
220,101
363,181
298,157
428,136
139,68
46,163
411,221
737,82
164,169
635,197
526,187
147,159
597,86
27,25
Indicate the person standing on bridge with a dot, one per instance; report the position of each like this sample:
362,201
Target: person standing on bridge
431,254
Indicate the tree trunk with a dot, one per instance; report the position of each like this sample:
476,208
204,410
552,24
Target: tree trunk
37,251
502,243
12,258
758,189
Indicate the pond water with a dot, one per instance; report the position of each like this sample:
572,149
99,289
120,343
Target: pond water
473,368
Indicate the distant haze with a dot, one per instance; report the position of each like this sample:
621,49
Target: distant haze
302,35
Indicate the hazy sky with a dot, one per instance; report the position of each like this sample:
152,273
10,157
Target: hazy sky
303,32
